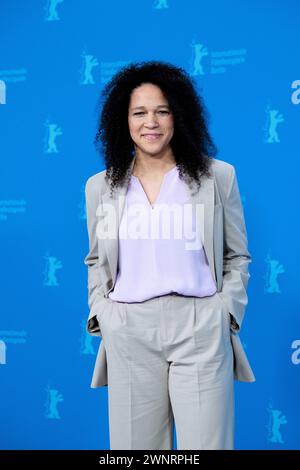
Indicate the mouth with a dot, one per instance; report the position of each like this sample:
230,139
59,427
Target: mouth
151,137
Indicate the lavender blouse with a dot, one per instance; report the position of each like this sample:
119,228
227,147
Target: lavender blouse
159,251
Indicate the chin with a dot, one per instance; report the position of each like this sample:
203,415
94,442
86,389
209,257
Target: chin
153,150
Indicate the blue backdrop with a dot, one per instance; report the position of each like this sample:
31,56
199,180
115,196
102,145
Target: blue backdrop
55,58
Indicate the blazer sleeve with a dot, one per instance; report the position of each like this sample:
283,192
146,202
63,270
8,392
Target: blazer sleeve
91,260
236,256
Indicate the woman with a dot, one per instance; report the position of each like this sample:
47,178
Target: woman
169,307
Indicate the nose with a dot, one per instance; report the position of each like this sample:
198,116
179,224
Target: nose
151,120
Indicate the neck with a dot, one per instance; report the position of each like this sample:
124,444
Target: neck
148,164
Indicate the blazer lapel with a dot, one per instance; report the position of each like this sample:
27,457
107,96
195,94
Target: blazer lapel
203,203
203,207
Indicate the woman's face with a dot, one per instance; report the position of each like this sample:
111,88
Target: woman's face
149,113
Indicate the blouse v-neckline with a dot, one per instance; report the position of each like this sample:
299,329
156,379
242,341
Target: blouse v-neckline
136,179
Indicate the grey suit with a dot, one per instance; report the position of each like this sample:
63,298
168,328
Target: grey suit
225,244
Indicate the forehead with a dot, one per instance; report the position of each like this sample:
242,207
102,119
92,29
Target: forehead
147,95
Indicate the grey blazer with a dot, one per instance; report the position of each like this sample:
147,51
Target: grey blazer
225,243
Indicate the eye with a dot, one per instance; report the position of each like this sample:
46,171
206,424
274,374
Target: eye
141,112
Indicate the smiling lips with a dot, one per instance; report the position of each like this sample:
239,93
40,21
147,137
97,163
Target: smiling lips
151,137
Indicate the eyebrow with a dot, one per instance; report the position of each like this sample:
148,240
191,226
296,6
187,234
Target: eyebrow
159,106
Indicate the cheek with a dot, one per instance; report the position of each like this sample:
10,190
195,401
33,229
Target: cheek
170,128
169,124
133,128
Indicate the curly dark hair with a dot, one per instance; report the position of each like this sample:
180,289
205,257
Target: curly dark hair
191,143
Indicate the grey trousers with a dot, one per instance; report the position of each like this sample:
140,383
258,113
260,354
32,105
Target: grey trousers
169,361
